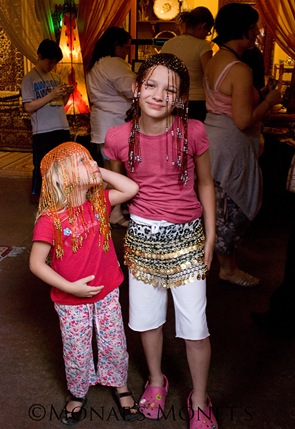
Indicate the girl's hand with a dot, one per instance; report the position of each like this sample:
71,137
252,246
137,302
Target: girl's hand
208,255
39,267
81,289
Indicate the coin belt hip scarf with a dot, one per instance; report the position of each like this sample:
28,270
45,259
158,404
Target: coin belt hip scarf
173,256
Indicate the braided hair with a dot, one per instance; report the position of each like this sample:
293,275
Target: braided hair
180,124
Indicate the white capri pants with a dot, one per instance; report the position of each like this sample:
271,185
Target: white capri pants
148,308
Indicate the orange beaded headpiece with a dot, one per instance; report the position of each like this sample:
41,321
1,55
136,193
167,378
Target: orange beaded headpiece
62,194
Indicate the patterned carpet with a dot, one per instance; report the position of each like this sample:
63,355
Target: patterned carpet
10,251
16,164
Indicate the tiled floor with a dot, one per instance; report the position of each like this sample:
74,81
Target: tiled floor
252,375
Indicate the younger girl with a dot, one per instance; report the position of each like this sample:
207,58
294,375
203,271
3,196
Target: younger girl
72,228
165,247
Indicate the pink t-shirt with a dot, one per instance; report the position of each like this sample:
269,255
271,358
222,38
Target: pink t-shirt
161,196
89,259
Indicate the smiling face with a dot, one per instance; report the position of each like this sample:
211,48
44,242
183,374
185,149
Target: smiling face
159,92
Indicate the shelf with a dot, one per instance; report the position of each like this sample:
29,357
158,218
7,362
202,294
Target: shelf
280,70
151,33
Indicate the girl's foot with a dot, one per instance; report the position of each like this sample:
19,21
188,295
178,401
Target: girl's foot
201,418
152,401
73,410
127,405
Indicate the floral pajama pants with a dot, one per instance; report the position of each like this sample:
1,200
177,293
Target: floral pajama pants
77,324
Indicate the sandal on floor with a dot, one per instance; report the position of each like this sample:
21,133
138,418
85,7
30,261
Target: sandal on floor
121,223
152,401
126,412
73,417
201,419
244,280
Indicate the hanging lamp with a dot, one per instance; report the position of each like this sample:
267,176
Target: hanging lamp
71,65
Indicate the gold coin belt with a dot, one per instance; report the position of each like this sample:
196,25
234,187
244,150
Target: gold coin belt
171,257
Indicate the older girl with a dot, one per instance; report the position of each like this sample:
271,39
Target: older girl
165,247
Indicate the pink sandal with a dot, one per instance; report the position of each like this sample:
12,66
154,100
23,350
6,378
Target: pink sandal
152,401
201,419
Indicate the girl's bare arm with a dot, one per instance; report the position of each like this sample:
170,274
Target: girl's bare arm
123,188
41,269
206,195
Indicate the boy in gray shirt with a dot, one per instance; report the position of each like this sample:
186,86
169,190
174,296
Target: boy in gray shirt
44,97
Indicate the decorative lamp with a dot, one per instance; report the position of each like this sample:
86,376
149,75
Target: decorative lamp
71,66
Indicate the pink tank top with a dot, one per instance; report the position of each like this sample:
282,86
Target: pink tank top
216,101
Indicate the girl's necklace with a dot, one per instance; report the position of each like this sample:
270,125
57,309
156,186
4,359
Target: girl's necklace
225,47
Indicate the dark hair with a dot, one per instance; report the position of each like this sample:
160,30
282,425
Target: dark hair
233,22
197,16
49,49
106,44
172,62
180,134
